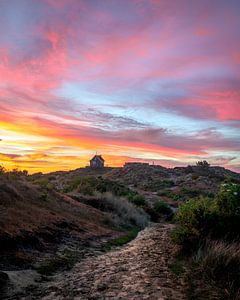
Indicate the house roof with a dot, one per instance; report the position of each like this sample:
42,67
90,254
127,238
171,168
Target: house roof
97,157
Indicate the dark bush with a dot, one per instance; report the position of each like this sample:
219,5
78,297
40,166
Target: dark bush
137,199
203,163
190,193
195,219
162,207
2,170
204,217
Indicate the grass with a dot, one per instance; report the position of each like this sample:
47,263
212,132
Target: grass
122,240
124,213
156,185
177,267
170,194
58,263
220,261
136,199
51,266
90,185
162,207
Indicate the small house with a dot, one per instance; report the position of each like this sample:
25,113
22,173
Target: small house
97,162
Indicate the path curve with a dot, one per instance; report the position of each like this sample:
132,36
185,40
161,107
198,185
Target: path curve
139,270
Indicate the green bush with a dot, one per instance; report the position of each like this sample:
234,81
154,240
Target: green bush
162,207
137,199
88,185
170,194
190,193
209,229
84,185
195,219
155,185
58,263
219,217
165,193
42,182
124,239
228,199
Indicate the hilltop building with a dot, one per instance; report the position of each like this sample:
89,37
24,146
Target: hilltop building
97,162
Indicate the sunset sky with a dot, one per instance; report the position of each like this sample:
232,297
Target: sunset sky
134,80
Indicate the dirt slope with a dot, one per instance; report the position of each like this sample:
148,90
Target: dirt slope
35,221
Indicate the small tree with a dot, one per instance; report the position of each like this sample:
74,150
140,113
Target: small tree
2,170
203,163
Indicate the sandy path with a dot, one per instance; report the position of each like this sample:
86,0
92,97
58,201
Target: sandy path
139,270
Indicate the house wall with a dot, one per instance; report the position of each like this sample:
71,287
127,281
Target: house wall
96,164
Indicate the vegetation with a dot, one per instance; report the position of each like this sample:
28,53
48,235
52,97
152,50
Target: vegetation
90,185
207,225
130,235
60,262
156,185
44,183
203,163
185,193
209,228
2,170
136,199
124,213
14,174
170,194
220,261
162,207
218,217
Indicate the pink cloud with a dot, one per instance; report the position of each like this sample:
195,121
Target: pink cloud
187,65
43,72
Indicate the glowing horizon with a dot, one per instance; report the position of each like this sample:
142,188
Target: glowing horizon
135,80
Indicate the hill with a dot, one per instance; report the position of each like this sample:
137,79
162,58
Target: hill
50,222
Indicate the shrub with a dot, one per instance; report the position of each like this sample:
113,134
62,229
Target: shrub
228,199
42,182
43,196
220,261
130,235
212,227
124,213
137,199
2,170
162,207
164,193
57,263
166,183
195,219
228,206
155,185
195,176
85,185
170,194
89,185
203,163
203,217
190,193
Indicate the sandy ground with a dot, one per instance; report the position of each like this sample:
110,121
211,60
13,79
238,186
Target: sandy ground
139,270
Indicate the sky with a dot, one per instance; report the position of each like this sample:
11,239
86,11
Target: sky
134,80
